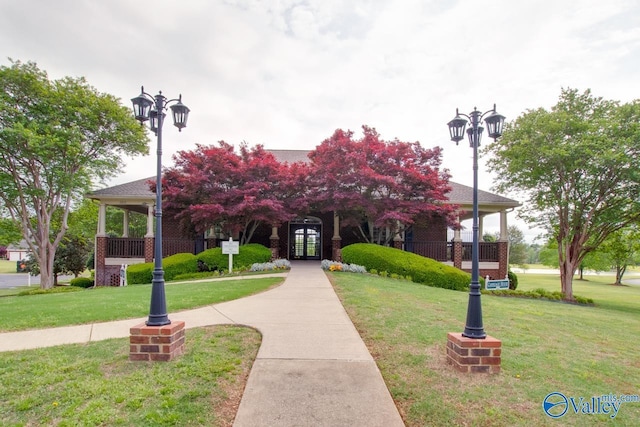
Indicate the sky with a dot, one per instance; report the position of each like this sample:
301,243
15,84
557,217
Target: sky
287,73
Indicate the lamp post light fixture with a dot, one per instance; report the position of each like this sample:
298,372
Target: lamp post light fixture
152,108
494,123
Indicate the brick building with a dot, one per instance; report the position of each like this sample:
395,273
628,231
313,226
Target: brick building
311,237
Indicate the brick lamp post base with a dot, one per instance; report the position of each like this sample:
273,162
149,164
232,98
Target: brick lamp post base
474,355
156,343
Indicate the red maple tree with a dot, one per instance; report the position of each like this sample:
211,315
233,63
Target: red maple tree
380,187
213,186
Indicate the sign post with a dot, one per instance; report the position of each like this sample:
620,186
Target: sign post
232,248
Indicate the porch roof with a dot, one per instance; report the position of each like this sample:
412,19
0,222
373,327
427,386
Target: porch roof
136,195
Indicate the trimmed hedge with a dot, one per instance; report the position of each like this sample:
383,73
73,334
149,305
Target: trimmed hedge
186,263
81,282
252,253
395,261
513,280
173,266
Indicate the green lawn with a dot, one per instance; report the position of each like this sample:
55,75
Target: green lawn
546,347
597,287
96,385
7,266
112,303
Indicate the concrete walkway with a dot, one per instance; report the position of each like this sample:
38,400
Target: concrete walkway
312,368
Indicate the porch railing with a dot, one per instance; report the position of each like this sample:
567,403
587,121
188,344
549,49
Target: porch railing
488,251
440,251
125,247
443,251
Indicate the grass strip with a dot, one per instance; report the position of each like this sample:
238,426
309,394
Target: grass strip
104,304
96,385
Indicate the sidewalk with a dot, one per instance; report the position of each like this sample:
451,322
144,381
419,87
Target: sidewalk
312,368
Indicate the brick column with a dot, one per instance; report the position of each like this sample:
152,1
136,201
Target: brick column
101,254
474,355
274,241
397,242
211,242
148,248
503,259
336,249
457,254
156,343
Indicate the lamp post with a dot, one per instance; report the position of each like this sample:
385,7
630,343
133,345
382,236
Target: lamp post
152,108
494,121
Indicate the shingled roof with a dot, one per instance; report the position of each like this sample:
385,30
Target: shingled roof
460,194
133,189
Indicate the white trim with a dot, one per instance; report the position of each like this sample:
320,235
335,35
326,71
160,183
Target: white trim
492,265
120,261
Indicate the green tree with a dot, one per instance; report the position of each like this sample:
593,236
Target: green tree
622,248
115,221
83,219
71,256
596,261
57,137
533,253
577,165
548,254
9,231
517,246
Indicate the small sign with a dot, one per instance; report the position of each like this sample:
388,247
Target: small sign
231,247
493,285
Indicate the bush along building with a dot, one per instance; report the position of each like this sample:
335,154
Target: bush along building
318,230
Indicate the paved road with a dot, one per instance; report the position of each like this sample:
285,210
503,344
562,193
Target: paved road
13,280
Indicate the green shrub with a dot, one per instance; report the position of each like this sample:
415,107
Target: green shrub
252,253
54,290
140,273
513,280
538,293
395,261
177,264
183,264
173,266
81,282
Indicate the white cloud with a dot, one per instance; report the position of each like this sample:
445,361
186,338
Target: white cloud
287,73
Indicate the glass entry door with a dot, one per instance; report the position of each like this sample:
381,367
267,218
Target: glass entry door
306,241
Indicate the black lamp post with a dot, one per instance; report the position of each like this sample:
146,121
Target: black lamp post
147,107
494,122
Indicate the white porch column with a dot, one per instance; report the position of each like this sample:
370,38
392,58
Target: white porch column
480,228
456,234
504,235
102,220
274,233
336,225
125,224
149,220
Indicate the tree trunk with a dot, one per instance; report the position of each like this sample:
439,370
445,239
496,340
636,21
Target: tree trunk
567,269
620,270
46,266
